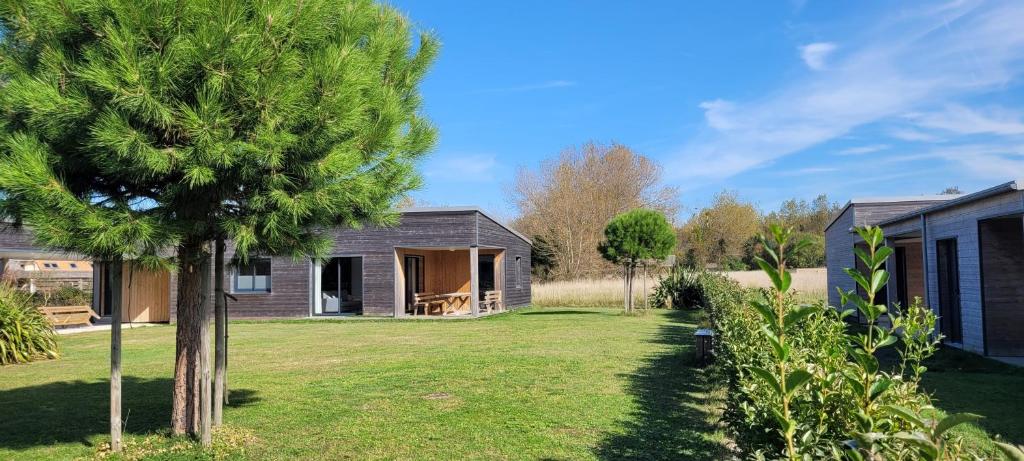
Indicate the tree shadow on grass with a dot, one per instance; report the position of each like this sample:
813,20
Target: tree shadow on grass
673,420
74,411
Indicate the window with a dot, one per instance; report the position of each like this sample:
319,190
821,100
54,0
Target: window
253,277
519,271
74,266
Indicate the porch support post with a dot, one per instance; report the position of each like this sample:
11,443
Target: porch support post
474,280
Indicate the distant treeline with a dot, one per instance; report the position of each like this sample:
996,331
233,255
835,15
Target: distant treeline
566,202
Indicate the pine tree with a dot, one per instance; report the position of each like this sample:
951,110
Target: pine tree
634,238
131,129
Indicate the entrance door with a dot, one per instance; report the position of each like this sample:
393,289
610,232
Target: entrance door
949,289
413,278
901,277
341,286
485,268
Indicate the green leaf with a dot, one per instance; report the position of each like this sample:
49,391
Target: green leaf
773,274
878,280
797,314
886,341
766,311
921,441
905,414
796,379
878,387
1011,452
781,350
881,254
768,377
952,421
863,256
859,278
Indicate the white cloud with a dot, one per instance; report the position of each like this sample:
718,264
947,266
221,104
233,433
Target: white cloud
964,120
992,161
550,84
809,171
912,60
912,135
718,114
861,150
815,54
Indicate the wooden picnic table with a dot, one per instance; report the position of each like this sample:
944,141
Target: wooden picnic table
450,298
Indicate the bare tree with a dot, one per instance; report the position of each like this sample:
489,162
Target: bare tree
570,198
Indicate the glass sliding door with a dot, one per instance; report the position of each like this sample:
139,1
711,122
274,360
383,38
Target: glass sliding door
341,286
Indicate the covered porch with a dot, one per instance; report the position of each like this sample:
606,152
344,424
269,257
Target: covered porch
907,275
449,281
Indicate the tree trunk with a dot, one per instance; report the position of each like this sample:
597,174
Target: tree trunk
205,390
185,411
629,288
221,328
114,269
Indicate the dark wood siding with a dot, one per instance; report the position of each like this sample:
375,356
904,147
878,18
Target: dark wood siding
377,247
18,239
1002,273
494,235
291,282
288,297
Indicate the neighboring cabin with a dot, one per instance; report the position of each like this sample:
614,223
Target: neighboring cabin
371,271
962,254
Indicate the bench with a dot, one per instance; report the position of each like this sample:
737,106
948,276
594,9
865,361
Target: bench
69,315
492,302
426,302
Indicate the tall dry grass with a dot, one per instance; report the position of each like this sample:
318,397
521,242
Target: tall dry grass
608,292
810,282
605,292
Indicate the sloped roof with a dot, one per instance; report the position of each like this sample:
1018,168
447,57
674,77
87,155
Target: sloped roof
466,209
894,199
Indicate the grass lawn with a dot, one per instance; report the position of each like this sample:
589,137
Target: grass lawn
964,382
533,384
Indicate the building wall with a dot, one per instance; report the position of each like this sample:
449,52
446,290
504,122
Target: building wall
961,223
839,255
291,281
1002,265
289,296
377,247
491,234
12,238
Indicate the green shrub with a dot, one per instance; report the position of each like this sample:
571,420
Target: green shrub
62,296
680,288
802,384
25,334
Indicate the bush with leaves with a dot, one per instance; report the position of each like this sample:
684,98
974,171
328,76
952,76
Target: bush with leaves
25,334
62,296
680,289
802,384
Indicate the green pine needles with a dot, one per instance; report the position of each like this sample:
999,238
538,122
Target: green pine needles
131,126
145,130
634,237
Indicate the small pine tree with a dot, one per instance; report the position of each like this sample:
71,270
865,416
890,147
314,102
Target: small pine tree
130,128
633,237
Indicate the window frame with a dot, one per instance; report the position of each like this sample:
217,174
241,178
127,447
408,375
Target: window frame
236,275
519,271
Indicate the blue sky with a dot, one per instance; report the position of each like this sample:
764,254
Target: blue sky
770,99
